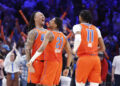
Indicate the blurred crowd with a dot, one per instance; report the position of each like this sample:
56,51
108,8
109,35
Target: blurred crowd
106,16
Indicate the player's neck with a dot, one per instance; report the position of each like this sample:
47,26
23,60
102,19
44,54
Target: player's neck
54,29
83,22
39,26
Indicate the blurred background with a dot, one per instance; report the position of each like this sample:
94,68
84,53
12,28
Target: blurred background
106,16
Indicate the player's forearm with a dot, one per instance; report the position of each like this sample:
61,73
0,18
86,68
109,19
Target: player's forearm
35,56
28,48
69,59
38,53
101,44
77,42
101,49
28,54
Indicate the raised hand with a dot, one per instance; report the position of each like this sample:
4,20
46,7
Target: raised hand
14,46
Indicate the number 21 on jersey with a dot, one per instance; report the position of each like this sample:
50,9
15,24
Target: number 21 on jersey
59,43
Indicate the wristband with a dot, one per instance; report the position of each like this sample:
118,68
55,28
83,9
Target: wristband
67,67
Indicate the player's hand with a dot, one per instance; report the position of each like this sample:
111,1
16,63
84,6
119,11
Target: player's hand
29,64
65,72
30,67
73,52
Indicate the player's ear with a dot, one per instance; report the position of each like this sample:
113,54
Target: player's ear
80,18
55,25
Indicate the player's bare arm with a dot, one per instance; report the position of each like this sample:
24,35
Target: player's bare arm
30,40
69,58
48,38
69,52
101,44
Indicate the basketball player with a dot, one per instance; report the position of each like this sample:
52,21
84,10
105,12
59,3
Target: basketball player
53,44
34,40
87,39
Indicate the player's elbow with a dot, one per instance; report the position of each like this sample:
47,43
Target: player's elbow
102,48
27,49
70,54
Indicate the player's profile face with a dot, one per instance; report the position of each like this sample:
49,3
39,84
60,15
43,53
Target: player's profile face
39,17
52,23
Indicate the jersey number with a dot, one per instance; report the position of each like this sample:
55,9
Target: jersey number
59,43
42,37
90,37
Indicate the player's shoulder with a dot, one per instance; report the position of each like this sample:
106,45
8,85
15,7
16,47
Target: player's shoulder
56,33
77,26
61,33
97,28
63,36
49,33
45,29
32,32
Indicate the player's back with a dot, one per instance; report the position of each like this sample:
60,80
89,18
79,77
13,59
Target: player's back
89,40
54,49
38,42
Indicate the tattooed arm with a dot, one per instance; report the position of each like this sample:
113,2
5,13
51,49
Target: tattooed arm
30,41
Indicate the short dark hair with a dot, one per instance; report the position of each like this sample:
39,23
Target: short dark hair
58,22
86,16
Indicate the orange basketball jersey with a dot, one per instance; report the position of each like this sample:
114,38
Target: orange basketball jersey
38,42
89,41
53,51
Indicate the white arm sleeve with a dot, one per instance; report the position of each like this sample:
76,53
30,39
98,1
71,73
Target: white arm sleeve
99,33
77,41
76,28
35,56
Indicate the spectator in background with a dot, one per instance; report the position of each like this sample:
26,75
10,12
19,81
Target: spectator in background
11,65
1,70
116,70
29,3
116,21
23,68
104,68
4,50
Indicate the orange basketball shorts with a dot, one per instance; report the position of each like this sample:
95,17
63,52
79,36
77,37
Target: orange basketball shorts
88,68
35,77
51,73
